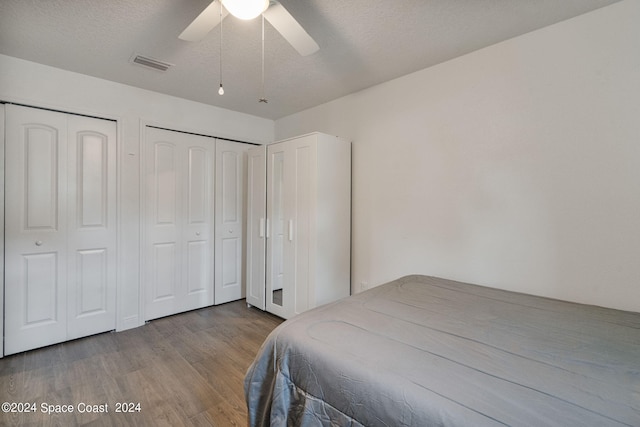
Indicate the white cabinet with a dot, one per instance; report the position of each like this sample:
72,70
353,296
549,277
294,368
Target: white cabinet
305,227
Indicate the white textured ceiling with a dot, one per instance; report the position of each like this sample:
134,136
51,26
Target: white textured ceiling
362,43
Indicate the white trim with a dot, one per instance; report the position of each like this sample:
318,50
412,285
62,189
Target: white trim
2,125
142,126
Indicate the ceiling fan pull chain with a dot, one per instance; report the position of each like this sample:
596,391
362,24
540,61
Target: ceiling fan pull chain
221,90
263,98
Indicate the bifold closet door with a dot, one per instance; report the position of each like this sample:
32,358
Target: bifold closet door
231,166
60,264
91,226
178,243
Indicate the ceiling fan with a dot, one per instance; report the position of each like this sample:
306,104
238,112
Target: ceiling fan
272,11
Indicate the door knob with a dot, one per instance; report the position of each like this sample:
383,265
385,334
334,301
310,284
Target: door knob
38,242
197,233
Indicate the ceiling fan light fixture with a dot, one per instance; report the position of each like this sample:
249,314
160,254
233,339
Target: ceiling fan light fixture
245,9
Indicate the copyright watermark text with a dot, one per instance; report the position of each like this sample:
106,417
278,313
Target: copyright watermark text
82,407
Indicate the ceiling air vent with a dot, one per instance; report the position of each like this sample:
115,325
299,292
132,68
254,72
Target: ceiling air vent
145,61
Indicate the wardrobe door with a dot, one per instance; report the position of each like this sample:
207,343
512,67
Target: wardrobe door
302,222
231,166
256,226
276,294
36,229
178,240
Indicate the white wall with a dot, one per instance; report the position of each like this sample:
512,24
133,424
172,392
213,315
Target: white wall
38,85
516,166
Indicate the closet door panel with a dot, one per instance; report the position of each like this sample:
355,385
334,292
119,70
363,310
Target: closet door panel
232,256
41,287
42,184
93,181
165,277
231,164
198,197
197,234
164,189
164,209
91,219
162,278
92,291
35,232
198,277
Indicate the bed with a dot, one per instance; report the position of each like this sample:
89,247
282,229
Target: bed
425,351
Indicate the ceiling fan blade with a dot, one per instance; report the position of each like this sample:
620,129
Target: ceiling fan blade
205,22
293,32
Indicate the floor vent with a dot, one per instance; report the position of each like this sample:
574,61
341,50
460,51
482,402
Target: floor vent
145,61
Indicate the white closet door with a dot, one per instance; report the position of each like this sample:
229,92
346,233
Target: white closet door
256,226
178,255
231,164
36,230
91,226
198,224
60,227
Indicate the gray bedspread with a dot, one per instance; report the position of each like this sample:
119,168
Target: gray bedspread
423,351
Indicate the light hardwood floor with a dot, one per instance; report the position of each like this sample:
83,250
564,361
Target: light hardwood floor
184,370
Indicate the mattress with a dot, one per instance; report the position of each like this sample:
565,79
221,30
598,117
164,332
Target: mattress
425,351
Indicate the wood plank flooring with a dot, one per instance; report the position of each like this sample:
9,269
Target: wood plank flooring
184,370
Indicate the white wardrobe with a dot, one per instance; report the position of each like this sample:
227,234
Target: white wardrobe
298,223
